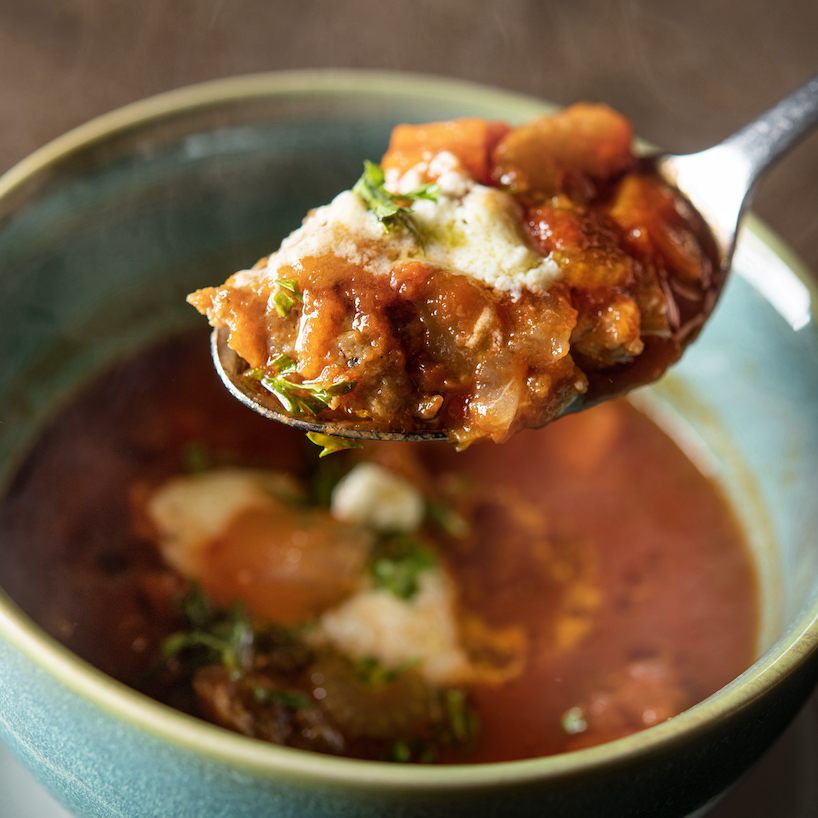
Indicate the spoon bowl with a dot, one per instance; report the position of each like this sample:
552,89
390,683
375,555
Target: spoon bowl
718,182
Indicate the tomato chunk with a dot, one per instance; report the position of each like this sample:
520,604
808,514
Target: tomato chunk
286,564
470,139
657,221
585,245
583,144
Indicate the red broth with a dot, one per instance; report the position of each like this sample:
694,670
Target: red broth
617,569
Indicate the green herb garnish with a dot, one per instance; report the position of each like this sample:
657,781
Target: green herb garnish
371,672
447,518
414,750
305,398
284,364
331,443
292,699
223,637
398,561
391,209
400,752
198,609
286,296
463,722
573,721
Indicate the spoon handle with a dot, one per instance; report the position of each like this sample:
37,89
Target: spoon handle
719,181
782,127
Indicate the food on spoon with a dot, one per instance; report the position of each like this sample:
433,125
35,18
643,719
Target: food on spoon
398,601
480,280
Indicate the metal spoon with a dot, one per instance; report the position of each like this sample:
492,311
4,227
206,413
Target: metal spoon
719,182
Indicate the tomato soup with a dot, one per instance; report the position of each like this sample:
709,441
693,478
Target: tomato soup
579,583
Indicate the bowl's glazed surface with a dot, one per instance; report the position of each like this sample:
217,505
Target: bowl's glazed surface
104,231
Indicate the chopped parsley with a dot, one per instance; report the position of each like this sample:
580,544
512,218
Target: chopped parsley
397,562
391,209
400,752
371,672
228,637
215,636
463,723
573,721
305,398
459,727
286,295
284,364
447,518
292,699
414,750
332,443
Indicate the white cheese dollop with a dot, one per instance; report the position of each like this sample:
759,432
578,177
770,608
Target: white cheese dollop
480,234
373,496
375,623
471,229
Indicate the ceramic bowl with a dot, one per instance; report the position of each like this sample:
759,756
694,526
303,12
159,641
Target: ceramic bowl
102,233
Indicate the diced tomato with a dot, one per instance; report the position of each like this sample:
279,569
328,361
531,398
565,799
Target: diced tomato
656,221
586,246
555,228
553,152
470,139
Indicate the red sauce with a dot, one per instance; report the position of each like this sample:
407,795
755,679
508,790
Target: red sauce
595,538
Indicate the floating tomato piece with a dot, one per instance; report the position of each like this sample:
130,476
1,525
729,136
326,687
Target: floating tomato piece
287,564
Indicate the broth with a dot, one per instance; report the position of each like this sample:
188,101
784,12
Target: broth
601,582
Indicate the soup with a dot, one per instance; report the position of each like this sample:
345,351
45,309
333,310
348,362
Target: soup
570,587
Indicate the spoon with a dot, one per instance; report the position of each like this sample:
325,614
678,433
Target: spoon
719,182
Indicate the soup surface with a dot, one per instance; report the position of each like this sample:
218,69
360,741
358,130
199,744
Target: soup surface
572,586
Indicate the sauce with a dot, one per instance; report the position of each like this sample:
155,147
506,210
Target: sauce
602,581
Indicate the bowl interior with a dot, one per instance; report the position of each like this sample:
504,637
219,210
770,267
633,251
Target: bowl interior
104,232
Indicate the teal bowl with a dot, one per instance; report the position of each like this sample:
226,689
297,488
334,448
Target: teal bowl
104,231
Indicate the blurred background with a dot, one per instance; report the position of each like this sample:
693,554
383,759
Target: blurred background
686,73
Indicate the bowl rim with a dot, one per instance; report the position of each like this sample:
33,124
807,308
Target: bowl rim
198,737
